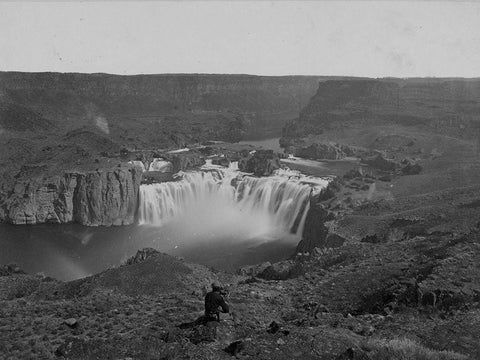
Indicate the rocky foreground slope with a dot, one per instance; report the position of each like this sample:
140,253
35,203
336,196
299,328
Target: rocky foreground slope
402,300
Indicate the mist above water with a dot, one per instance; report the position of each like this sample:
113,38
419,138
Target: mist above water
215,216
217,203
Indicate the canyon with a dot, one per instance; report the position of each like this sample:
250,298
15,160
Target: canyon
382,254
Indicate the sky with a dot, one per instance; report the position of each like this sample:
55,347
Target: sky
355,38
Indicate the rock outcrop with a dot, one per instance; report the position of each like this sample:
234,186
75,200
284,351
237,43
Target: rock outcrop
105,197
321,151
261,163
316,233
186,161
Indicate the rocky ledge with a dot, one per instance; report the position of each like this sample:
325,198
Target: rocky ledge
103,197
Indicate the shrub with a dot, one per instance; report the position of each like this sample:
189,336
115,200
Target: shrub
406,349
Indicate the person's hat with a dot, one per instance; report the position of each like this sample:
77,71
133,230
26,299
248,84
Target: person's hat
216,286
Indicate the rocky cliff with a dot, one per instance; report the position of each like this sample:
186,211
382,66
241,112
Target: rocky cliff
176,108
440,105
107,197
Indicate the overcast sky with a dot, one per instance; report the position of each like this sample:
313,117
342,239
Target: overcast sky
268,38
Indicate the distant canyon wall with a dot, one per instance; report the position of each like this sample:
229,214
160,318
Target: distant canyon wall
441,105
106,197
227,107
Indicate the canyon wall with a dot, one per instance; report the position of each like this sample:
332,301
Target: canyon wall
187,107
53,122
107,197
447,106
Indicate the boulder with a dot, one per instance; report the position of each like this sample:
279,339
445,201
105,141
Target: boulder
71,322
260,163
334,241
282,270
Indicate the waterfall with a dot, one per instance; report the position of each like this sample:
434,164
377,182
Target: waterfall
217,201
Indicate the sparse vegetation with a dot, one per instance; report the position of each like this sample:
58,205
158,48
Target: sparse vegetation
406,349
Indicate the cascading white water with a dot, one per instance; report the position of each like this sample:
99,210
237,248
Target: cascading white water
217,202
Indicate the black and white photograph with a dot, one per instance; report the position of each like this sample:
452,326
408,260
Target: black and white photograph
215,180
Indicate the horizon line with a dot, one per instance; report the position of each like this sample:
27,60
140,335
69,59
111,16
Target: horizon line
238,74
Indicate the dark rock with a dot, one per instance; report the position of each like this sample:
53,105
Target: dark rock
152,177
411,169
222,161
334,241
353,354
352,174
328,192
372,239
282,270
186,161
235,347
261,163
315,232
60,351
388,297
142,255
429,299
273,328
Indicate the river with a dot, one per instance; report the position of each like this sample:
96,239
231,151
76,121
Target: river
71,251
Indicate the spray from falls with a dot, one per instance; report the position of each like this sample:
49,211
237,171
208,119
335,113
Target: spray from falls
218,202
